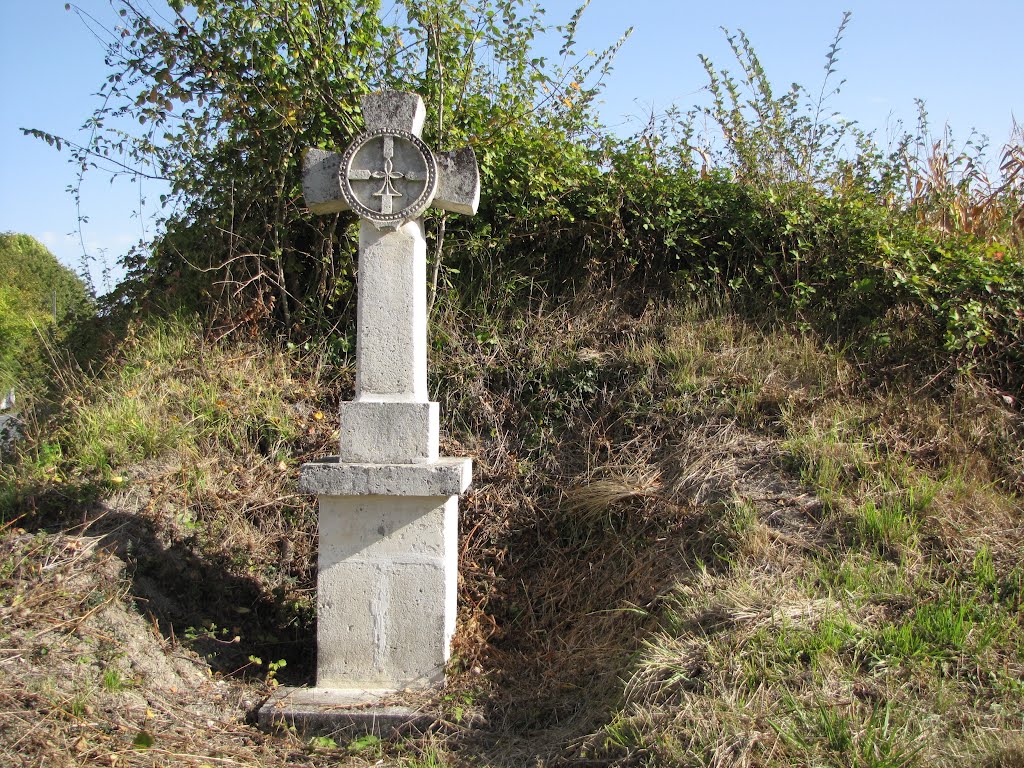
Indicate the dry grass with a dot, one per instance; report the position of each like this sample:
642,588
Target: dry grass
952,191
87,677
690,541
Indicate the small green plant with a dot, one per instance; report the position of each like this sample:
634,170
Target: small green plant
884,526
79,705
743,516
850,735
368,744
884,742
901,641
985,568
430,758
835,728
210,631
112,680
623,733
459,703
143,740
273,668
323,742
1011,588
935,630
861,575
946,624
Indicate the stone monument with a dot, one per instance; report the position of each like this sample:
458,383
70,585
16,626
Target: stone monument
388,504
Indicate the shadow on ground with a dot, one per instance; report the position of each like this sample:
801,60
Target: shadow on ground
195,601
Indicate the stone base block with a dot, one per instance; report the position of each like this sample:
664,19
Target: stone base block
342,713
386,592
388,432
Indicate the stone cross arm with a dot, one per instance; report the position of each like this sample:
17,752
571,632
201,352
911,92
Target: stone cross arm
388,175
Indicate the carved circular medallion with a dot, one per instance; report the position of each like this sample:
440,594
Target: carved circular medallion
388,176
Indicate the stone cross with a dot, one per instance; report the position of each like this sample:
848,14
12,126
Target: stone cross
388,504
389,177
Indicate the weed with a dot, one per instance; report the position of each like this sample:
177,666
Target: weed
79,705
367,745
273,668
831,460
322,742
943,628
852,735
431,758
1011,587
984,568
743,517
624,734
113,681
884,527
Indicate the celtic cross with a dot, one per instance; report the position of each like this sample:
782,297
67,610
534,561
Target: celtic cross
390,177
390,151
387,192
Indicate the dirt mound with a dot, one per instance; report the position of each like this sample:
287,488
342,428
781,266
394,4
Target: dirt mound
87,676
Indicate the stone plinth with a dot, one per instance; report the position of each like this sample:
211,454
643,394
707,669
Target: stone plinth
328,712
388,571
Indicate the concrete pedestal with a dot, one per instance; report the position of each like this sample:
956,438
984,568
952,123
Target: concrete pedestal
386,593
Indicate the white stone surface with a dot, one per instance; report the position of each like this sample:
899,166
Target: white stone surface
325,180
321,182
391,314
458,188
394,109
388,177
386,592
330,477
388,432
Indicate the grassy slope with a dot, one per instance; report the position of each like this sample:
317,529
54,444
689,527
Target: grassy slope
690,541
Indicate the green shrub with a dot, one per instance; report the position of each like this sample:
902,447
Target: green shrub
40,300
780,206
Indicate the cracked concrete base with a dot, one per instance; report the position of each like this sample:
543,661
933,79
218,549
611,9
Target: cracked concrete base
342,712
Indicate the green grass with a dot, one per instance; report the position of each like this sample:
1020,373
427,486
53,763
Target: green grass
112,681
168,391
883,527
872,737
903,606
859,576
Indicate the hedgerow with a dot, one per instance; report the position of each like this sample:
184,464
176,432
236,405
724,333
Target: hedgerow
909,255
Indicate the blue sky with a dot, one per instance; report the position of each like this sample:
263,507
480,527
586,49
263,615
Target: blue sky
962,59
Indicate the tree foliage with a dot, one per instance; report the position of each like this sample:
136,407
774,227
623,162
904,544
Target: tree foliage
39,297
781,207
221,98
